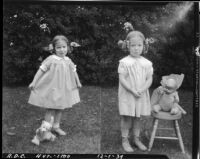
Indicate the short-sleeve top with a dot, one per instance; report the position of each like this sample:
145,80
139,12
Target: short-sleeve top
56,89
66,65
52,58
136,70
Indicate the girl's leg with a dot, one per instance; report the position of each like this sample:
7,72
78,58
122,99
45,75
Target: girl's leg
126,123
56,124
136,134
49,114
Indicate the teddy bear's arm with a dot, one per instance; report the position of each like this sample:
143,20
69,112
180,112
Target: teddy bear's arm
156,96
176,98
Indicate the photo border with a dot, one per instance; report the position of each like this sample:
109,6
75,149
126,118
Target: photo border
196,87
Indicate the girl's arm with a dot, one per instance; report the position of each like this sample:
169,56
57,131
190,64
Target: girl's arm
77,80
38,75
73,69
126,85
147,84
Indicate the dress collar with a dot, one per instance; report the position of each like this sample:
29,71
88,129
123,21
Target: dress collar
60,58
139,57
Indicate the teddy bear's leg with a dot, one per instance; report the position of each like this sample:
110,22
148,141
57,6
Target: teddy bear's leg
49,136
156,108
53,137
175,109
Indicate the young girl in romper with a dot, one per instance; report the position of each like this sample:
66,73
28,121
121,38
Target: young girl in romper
135,77
55,85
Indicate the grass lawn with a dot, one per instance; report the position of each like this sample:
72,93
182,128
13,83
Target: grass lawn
81,122
92,125
110,131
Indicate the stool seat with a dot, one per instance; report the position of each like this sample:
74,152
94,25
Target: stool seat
170,118
166,115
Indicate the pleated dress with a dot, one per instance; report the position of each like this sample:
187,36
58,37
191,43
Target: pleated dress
57,88
136,71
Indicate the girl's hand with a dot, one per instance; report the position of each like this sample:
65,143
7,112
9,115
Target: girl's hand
79,85
31,86
140,91
136,93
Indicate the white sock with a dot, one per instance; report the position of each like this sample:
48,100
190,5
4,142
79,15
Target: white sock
125,132
56,125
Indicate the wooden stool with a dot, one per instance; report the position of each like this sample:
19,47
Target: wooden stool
166,116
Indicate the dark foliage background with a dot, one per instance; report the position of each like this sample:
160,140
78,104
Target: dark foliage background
97,28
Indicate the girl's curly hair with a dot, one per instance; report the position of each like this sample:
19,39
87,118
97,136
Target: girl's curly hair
58,38
124,43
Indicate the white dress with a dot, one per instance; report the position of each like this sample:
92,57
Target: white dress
56,89
136,71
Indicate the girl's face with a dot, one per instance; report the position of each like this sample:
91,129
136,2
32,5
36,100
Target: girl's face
61,48
136,46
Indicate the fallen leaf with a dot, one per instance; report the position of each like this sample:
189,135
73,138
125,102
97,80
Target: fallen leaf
12,128
11,133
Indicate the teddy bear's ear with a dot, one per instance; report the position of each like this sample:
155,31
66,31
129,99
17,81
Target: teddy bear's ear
180,80
47,125
163,81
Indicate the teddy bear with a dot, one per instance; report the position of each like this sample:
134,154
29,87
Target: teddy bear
165,97
43,133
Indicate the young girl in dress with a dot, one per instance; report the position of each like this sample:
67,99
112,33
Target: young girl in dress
55,85
135,77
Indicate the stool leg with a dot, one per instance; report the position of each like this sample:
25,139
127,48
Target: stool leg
179,136
155,125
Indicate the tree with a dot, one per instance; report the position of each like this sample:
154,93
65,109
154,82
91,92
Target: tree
27,28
